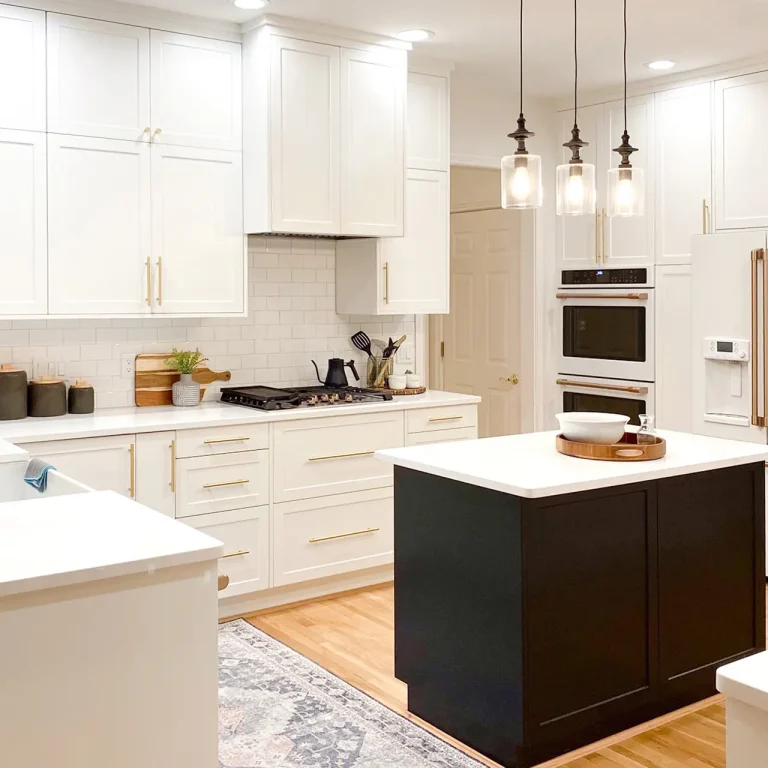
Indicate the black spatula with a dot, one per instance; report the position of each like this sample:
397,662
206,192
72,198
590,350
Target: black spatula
363,342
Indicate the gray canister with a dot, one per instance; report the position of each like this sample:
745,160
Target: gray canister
47,397
13,393
81,397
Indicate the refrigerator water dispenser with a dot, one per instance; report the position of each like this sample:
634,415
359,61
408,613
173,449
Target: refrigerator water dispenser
726,381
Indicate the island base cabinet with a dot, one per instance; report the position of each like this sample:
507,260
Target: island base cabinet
529,627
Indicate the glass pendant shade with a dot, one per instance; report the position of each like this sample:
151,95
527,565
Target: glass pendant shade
521,181
626,192
576,189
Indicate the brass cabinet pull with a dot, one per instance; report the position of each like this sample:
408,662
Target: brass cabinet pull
147,130
342,456
158,131
160,281
602,229
226,440
597,236
173,466
223,581
344,535
609,387
704,217
386,282
755,257
451,418
607,297
132,454
149,282
224,485
241,553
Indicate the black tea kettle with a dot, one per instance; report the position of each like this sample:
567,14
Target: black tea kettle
337,376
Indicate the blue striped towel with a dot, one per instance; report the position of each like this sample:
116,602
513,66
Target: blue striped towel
37,474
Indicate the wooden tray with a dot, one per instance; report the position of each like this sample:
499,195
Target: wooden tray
154,379
626,449
400,392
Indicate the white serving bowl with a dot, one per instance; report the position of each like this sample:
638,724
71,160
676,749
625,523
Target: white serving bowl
600,428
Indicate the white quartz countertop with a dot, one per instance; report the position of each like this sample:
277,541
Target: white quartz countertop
746,680
61,541
130,421
530,466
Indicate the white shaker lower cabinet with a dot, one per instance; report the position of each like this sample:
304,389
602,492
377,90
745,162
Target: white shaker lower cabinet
99,233
23,225
448,436
156,471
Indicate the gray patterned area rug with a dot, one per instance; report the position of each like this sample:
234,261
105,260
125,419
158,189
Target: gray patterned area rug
279,709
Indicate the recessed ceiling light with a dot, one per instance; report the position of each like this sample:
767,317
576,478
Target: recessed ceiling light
415,35
251,5
661,64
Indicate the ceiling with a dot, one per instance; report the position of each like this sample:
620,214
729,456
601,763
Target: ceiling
483,33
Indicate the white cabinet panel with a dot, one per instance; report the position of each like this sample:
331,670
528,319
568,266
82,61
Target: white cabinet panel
447,417
304,131
428,135
22,62
196,91
198,244
373,96
683,170
155,472
448,436
215,441
98,226
741,114
23,228
98,78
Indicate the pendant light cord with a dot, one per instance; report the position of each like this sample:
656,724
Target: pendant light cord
625,66
575,64
521,57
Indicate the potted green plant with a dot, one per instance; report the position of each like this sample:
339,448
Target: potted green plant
186,392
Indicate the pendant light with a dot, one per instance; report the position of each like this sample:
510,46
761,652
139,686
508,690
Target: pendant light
626,185
576,190
521,172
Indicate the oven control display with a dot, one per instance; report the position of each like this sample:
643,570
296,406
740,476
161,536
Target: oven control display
605,276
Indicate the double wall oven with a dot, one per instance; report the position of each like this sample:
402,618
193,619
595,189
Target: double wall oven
606,341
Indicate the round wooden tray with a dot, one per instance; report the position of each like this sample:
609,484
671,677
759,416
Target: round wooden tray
626,449
399,392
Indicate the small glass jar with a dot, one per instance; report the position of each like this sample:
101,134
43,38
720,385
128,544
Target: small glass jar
646,435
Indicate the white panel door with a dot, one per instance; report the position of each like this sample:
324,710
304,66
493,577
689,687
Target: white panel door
198,245
414,269
629,241
683,170
741,114
98,78
304,134
428,136
156,472
23,227
22,62
373,99
99,233
197,92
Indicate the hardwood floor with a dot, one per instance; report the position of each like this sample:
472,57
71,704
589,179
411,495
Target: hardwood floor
352,635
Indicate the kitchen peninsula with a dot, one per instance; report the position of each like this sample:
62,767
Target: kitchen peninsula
543,602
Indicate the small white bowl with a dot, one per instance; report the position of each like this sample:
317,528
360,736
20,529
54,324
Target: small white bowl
397,381
600,428
413,380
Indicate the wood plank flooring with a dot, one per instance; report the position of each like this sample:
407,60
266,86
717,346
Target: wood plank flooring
352,635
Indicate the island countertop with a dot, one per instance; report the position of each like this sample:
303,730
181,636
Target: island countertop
529,465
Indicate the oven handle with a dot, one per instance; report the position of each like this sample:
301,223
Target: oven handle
607,297
609,387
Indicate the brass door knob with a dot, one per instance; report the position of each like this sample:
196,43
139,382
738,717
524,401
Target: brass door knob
513,379
223,582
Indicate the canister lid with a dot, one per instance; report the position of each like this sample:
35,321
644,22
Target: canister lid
8,368
80,384
47,380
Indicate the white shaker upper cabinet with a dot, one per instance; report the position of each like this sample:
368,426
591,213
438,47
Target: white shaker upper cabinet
22,62
23,230
198,247
373,101
683,170
99,233
741,114
196,92
428,114
98,78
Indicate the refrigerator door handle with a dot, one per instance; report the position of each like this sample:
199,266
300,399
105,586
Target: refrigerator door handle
755,257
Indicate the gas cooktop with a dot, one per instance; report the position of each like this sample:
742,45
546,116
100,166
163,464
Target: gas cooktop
274,399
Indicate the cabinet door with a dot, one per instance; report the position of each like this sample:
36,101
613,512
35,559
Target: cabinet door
23,228
196,91
304,133
414,271
156,472
683,170
577,244
428,138
629,241
98,226
373,94
22,62
198,244
98,78
741,113
101,463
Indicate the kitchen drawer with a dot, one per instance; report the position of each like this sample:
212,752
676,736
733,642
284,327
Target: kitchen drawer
323,537
245,535
334,454
444,417
218,483
219,440
442,436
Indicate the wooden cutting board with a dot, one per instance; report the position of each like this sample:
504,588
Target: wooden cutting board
154,379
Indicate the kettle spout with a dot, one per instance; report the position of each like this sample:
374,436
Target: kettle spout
317,371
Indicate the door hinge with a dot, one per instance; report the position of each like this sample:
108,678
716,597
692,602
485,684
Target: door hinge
442,349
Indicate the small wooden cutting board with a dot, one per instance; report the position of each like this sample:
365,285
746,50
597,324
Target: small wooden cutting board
154,379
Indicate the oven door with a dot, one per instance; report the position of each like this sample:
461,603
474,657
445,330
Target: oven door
629,398
607,333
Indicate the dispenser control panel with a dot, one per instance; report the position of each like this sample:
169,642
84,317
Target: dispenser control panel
728,350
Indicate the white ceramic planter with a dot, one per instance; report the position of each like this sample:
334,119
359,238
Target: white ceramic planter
186,392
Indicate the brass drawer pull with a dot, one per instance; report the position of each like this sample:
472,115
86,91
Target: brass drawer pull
226,440
223,581
609,387
223,485
242,553
342,456
344,535
173,466
447,418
